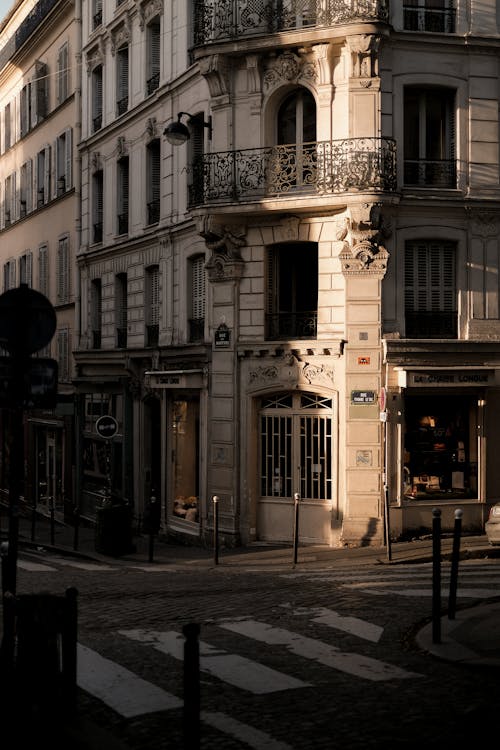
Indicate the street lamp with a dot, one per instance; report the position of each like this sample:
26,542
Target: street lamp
177,133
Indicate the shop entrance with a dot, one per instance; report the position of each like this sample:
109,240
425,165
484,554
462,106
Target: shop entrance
440,447
49,479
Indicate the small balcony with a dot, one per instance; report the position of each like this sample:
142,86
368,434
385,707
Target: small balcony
437,173
434,20
97,122
153,83
291,325
122,105
435,324
196,329
319,168
224,20
154,211
122,222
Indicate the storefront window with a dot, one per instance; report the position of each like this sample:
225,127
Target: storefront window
185,437
440,457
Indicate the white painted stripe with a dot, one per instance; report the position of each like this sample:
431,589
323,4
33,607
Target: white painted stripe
353,625
233,669
461,592
88,566
243,732
324,653
121,690
35,567
153,568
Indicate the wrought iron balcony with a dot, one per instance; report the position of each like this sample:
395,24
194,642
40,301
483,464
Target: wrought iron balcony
196,329
291,325
319,168
153,83
154,211
122,105
122,223
426,173
221,20
436,20
435,324
97,231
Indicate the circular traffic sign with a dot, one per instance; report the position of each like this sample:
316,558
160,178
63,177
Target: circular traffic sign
106,426
27,320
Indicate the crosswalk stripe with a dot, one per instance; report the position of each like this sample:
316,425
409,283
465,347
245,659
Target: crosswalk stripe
243,732
232,668
323,653
461,592
35,567
120,689
353,625
88,566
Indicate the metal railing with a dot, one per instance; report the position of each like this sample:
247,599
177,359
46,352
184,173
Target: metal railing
431,324
296,325
220,20
319,168
430,173
435,20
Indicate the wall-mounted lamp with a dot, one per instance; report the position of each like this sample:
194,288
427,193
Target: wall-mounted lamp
177,133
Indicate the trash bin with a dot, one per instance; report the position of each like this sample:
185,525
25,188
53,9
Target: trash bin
114,529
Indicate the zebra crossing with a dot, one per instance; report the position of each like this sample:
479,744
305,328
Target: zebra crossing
130,695
475,580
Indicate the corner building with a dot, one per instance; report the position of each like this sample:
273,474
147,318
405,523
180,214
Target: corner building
303,297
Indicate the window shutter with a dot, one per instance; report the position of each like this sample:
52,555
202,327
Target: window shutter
153,296
47,173
24,110
154,49
29,186
198,288
43,270
272,281
97,92
121,300
63,277
29,268
68,147
41,88
63,354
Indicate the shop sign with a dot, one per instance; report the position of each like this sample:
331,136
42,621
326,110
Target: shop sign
174,379
447,378
363,397
106,426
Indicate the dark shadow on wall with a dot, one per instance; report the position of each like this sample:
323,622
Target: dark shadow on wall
371,532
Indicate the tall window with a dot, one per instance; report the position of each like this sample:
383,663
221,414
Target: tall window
96,13
9,199
429,15
63,73
33,104
64,153
25,189
63,348
97,205
153,53
26,268
153,181
152,302
292,291
43,270
63,272
121,299
43,176
97,98
123,195
96,313
196,149
197,284
7,126
122,89
9,275
295,165
429,137
430,289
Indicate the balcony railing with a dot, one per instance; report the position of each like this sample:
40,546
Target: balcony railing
319,168
291,325
97,231
436,20
426,173
433,324
221,20
153,83
196,329
97,122
154,211
122,105
122,223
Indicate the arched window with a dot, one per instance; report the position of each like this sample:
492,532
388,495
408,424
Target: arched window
294,157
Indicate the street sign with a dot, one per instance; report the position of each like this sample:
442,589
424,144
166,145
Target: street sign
34,387
106,426
27,320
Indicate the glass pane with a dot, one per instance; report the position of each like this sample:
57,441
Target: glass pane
185,446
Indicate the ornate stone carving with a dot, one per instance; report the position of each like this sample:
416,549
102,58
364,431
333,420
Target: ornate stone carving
363,232
484,223
289,372
151,128
215,70
364,49
224,242
148,9
95,161
289,67
95,56
121,146
120,35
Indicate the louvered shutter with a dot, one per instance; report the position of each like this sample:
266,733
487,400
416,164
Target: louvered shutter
154,167
43,270
68,154
29,186
97,93
153,296
198,288
272,272
63,276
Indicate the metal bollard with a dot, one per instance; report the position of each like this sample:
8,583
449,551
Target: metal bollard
191,714
455,556
296,498
436,575
215,500
76,528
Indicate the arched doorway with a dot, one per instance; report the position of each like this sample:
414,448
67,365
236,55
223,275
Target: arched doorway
296,454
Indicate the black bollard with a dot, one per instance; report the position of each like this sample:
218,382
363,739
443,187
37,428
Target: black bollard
455,555
296,498
436,575
76,528
191,714
215,500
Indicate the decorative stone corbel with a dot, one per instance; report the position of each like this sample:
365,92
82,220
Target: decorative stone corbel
120,35
149,9
224,242
364,54
151,128
290,67
363,233
215,70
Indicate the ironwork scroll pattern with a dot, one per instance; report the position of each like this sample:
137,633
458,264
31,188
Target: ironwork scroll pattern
216,20
324,167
